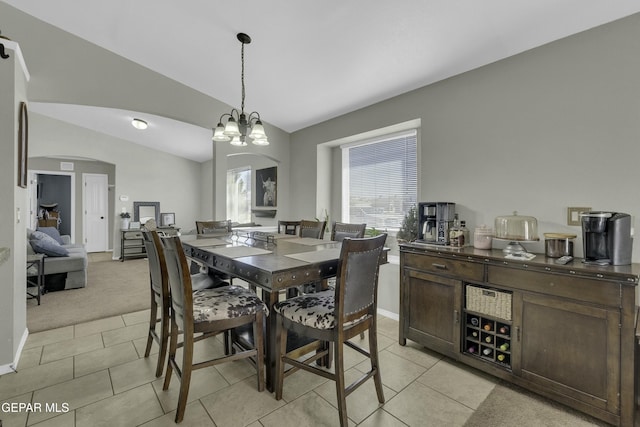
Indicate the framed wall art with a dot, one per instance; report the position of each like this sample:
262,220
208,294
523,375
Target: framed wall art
167,219
23,145
266,187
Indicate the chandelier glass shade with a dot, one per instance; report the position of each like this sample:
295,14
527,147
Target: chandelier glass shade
239,126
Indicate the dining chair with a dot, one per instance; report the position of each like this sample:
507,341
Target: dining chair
204,314
206,227
335,316
340,230
161,296
314,229
288,227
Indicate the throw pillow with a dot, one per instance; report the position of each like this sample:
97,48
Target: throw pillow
52,232
48,247
39,235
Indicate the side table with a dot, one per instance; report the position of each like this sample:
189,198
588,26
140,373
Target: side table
35,275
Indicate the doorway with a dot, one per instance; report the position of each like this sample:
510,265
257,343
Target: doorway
50,190
95,209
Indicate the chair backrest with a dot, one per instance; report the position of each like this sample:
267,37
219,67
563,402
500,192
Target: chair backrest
179,282
313,229
288,227
203,227
357,280
340,230
157,264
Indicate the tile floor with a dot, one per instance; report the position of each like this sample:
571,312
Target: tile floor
94,374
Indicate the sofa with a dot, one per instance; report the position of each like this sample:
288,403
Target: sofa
65,264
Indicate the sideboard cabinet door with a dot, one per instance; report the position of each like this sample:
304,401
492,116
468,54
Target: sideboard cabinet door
570,348
431,311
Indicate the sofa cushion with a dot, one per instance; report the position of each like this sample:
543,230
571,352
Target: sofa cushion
53,233
44,244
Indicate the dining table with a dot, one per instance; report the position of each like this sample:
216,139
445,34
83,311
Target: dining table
269,261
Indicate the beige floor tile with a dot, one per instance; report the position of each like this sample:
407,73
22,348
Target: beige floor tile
383,341
418,405
130,408
382,418
203,382
30,379
104,358
97,326
239,404
396,372
30,357
141,345
39,339
137,317
72,347
362,402
415,353
236,371
75,393
65,420
309,410
194,416
300,383
12,415
128,333
388,327
133,374
468,386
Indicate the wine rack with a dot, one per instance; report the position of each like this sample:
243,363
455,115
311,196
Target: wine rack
487,338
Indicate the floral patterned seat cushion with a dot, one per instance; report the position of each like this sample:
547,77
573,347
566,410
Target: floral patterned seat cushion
224,303
314,310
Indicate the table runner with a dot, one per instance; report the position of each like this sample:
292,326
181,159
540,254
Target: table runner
238,251
317,256
309,241
201,243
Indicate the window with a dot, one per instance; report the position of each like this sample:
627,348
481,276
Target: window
239,195
380,180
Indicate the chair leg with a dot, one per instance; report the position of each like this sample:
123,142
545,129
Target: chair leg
185,377
375,363
281,350
173,345
258,341
164,341
340,385
152,325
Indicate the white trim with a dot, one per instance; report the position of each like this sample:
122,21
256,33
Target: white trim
381,138
389,314
16,49
13,367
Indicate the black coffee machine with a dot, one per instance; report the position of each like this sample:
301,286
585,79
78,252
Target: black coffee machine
606,238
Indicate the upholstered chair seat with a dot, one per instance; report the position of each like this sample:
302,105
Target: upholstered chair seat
224,303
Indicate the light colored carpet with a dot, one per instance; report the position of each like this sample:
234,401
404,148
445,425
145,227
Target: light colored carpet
509,405
113,288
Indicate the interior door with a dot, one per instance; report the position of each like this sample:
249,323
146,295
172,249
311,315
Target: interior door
96,212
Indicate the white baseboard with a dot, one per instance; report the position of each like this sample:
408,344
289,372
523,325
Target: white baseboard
13,367
389,314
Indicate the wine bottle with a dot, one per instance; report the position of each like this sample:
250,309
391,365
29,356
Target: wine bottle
471,349
488,339
504,330
487,352
501,357
504,346
474,334
488,326
474,321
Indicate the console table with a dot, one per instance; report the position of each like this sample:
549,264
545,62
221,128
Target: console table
132,244
35,275
567,332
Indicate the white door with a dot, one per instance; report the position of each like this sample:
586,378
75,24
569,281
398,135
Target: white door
96,212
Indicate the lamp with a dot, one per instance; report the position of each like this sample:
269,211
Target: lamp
139,124
235,130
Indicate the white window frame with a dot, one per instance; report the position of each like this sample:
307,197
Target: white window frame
231,197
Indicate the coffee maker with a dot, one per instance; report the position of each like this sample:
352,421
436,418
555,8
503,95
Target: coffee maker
435,220
606,238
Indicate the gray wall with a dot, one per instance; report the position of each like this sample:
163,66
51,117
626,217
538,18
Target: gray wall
553,127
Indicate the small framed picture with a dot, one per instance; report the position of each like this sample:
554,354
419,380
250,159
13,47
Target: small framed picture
134,225
167,219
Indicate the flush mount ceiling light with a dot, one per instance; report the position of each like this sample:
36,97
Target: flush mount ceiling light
238,124
139,124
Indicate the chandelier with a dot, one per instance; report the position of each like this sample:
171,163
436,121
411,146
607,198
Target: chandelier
238,124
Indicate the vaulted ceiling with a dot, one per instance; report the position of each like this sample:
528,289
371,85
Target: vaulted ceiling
309,60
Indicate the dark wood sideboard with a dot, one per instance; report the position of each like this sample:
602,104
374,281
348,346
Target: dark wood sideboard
566,332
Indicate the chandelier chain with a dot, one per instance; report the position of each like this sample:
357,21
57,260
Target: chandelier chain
242,77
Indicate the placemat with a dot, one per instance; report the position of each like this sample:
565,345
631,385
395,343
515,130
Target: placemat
317,256
238,251
201,243
308,241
